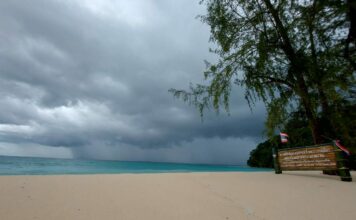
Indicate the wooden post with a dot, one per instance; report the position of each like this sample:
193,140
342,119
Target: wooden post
277,168
343,171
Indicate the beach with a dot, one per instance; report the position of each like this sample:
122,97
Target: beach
224,195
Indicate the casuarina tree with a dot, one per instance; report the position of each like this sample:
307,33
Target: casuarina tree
289,54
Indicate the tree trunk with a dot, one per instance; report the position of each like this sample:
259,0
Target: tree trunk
298,69
309,110
313,122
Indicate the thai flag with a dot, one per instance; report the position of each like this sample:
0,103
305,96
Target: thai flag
337,143
284,137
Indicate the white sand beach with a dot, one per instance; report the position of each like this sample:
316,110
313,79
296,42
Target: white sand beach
292,195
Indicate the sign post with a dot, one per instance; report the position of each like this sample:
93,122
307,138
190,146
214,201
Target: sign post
319,157
343,171
277,168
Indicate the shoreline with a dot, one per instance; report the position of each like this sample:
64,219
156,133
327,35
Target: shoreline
134,173
160,196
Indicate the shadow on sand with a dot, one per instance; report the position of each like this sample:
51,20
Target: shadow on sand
317,174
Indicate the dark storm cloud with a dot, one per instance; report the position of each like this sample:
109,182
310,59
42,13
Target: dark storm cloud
92,76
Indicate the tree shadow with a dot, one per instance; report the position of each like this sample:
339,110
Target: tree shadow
318,175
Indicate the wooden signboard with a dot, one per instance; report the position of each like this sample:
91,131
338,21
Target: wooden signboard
319,157
308,158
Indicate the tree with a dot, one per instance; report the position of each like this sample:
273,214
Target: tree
262,156
289,54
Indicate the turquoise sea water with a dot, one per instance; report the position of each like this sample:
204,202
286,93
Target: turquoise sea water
47,166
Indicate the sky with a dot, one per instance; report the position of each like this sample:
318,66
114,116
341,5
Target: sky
90,79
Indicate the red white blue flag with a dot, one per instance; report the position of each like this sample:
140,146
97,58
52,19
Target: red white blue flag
337,143
284,137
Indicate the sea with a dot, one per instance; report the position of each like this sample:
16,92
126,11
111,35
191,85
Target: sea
10,165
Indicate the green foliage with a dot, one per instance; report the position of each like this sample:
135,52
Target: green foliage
298,133
262,155
289,54
297,130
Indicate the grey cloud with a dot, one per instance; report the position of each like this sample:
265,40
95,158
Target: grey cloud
87,78
203,151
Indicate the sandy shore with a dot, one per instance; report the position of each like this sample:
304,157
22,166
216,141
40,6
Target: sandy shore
293,195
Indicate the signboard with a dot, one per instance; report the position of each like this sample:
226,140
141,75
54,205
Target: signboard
308,158
318,157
